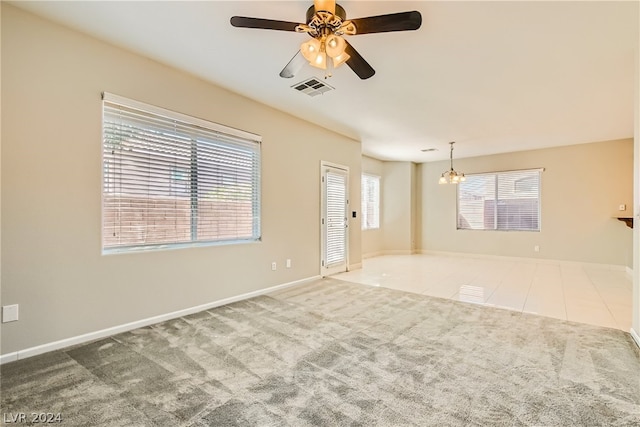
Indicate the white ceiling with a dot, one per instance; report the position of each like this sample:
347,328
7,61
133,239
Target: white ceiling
492,76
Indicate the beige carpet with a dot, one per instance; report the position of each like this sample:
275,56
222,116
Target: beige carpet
333,353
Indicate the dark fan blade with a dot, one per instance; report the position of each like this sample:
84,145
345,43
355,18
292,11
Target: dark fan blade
402,21
358,64
292,68
265,24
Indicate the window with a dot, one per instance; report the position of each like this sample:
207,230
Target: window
500,201
370,202
171,180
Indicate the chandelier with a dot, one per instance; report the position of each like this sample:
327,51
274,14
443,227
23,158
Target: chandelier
451,176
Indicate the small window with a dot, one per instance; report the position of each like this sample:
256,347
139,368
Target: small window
171,180
370,202
507,201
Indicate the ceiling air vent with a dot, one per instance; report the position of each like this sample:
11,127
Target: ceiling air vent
312,87
428,150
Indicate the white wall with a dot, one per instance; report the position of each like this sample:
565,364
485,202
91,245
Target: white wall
582,186
52,265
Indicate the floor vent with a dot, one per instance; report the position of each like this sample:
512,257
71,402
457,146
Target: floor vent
312,87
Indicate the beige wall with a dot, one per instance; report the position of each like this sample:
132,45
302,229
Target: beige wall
0,170
398,207
52,266
635,324
415,211
372,243
582,186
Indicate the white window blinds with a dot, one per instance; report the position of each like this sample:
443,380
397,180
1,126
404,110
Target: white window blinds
370,201
500,201
171,180
336,217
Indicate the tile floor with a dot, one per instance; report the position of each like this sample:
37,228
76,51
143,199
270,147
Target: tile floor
593,294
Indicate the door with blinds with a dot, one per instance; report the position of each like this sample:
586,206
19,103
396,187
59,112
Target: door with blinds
334,219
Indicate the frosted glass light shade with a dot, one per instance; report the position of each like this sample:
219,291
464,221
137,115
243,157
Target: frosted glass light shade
335,45
340,59
310,49
320,61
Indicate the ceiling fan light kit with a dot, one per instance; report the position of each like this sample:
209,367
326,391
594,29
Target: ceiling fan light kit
326,23
315,51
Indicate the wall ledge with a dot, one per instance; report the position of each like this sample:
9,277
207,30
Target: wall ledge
103,333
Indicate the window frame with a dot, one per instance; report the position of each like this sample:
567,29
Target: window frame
378,202
496,175
228,137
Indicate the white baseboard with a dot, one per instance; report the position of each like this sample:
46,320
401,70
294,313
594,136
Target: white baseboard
92,336
635,337
399,252
372,255
390,252
629,271
9,357
356,266
613,267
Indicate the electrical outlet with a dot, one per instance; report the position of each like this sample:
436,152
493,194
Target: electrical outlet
288,263
9,313
622,207
536,248
274,266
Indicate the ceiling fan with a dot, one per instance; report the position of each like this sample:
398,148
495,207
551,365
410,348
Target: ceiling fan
326,24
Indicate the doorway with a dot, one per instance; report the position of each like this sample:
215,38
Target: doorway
334,219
